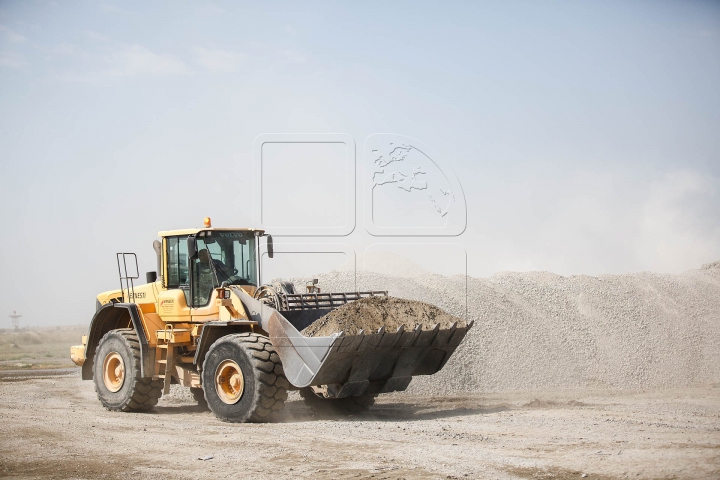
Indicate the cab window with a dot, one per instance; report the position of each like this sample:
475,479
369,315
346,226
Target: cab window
223,257
177,262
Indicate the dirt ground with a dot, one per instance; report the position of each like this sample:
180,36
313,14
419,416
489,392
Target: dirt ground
52,426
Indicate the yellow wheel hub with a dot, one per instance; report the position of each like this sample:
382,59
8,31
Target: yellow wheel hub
229,382
113,371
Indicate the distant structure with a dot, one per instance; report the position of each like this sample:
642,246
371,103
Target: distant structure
15,320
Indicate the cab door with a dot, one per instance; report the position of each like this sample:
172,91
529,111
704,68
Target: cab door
174,303
204,281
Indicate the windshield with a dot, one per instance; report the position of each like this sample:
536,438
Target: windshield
229,255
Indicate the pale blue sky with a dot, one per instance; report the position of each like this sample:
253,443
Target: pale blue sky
585,134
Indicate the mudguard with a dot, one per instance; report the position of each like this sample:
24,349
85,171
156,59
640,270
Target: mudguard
111,317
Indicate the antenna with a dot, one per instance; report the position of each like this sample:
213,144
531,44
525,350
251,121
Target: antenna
15,320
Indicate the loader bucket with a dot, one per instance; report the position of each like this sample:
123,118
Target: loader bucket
351,365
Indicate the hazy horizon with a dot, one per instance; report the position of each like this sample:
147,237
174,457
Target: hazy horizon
583,135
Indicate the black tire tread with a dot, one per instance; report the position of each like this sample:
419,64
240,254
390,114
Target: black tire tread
145,391
199,396
271,382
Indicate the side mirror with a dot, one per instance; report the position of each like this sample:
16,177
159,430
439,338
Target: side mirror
270,250
192,247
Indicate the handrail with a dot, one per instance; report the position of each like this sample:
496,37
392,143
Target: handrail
129,284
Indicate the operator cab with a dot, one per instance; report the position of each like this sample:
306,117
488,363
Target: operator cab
222,257
202,260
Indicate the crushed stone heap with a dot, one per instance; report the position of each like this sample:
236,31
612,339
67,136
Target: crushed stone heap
371,313
540,331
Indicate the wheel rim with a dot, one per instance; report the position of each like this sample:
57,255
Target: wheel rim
113,371
229,382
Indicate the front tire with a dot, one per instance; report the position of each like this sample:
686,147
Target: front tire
243,378
116,374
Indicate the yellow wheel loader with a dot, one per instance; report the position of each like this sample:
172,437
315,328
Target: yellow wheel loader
205,321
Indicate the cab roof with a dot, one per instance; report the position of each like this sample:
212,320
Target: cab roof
193,231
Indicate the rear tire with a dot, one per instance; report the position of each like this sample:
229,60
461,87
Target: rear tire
340,406
116,374
199,396
243,378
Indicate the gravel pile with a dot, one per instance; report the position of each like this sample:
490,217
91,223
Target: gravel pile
538,330
369,314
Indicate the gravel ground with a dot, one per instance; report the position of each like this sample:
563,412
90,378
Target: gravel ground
55,428
561,377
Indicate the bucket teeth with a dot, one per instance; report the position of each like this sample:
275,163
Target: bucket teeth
404,328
